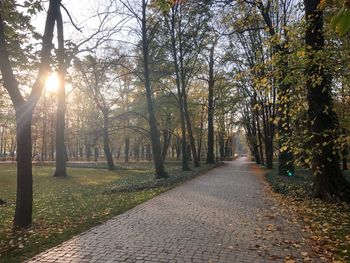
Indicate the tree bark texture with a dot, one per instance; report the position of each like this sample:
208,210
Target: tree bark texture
329,183
105,136
61,153
211,83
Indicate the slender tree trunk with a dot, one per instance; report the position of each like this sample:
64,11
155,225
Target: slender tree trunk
106,147
255,147
61,153
285,154
234,145
217,146
329,183
166,143
4,152
96,154
261,148
345,153
184,157
44,144
268,137
166,136
13,149
190,132
345,150
87,149
178,148
127,147
2,142
34,147
148,152
137,149
211,83
52,139
269,152
222,145
200,139
154,131
142,152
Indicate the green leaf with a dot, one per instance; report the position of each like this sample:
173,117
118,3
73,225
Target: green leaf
164,5
341,21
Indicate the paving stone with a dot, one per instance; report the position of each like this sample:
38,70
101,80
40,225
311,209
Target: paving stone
221,216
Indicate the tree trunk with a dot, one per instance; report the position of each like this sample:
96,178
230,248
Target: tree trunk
255,147
87,149
44,145
106,147
261,148
1,142
345,153
96,154
148,152
154,131
285,154
52,139
166,143
180,95
211,83
269,152
126,149
24,112
190,132
142,152
137,150
61,153
268,137
200,139
24,197
222,145
178,148
228,147
329,183
13,149
184,92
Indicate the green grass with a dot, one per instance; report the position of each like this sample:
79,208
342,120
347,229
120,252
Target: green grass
64,207
329,223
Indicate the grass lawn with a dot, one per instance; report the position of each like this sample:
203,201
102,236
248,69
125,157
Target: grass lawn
64,207
329,224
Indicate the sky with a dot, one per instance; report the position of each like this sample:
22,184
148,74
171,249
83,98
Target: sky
84,15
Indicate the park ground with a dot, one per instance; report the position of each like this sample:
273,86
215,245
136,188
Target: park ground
327,223
64,207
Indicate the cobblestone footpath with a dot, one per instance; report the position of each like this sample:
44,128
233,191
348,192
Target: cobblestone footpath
221,216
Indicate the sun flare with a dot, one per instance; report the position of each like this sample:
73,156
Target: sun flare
52,83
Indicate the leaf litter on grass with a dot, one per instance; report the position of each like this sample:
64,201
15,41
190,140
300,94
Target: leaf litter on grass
327,224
